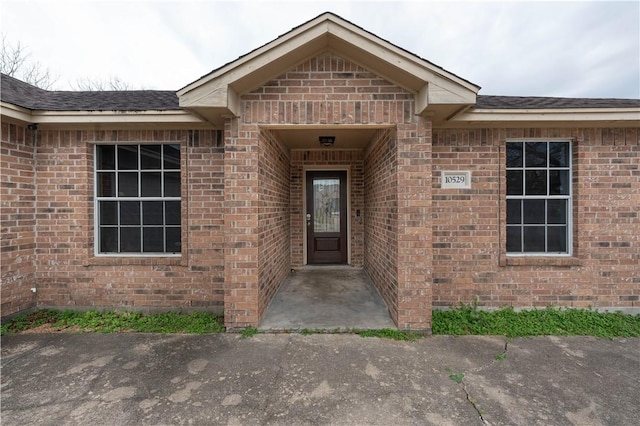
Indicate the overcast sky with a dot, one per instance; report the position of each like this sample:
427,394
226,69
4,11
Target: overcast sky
572,49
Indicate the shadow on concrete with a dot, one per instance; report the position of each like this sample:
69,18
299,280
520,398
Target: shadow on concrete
327,297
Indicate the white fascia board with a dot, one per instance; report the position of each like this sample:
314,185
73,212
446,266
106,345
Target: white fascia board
15,112
115,117
550,115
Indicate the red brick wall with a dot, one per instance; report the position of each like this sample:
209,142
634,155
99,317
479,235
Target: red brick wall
381,216
274,224
17,219
68,273
468,225
328,89
319,160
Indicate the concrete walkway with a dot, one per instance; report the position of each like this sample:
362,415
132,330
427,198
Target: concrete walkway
291,379
327,297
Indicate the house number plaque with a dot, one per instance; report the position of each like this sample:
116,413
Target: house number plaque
456,179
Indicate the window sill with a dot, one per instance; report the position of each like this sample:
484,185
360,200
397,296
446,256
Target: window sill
540,261
132,260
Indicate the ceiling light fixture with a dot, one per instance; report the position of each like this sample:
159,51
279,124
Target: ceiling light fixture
327,141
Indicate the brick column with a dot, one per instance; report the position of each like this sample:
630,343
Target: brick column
240,226
414,225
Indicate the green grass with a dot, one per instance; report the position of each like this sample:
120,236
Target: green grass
388,333
112,322
550,321
464,320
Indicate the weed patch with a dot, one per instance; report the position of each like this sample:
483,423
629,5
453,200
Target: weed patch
388,333
113,322
248,331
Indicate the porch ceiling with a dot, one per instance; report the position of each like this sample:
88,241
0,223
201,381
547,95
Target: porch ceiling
307,138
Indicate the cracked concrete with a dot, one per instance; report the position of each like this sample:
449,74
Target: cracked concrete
317,379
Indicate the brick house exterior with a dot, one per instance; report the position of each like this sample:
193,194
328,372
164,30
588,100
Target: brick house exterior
433,216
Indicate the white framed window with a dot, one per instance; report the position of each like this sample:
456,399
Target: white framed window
137,199
539,189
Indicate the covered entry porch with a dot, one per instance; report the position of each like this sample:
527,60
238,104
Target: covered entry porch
384,207
324,77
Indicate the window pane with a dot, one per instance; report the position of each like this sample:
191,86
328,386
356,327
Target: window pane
150,157
558,154
108,213
152,238
129,212
535,182
326,202
172,184
514,182
151,185
557,211
106,157
514,154
557,239
127,157
514,239
106,184
514,211
171,156
173,240
558,182
535,154
152,212
534,211
108,240
128,184
130,240
534,238
172,213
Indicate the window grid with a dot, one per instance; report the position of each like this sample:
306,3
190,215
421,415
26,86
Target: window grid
523,196
121,227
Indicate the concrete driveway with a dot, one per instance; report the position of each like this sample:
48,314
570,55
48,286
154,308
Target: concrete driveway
55,379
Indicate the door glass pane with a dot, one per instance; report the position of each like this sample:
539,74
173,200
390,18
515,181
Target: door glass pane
326,203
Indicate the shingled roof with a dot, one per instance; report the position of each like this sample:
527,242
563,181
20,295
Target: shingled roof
537,102
16,92
22,94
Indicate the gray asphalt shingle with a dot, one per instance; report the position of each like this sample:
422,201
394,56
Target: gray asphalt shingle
22,94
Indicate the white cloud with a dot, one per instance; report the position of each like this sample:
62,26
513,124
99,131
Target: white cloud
577,49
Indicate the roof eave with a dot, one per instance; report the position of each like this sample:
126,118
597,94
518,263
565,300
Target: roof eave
573,117
74,119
